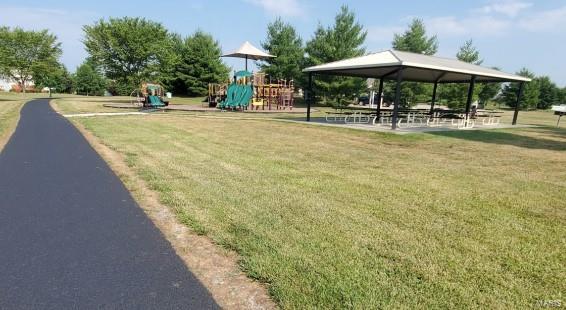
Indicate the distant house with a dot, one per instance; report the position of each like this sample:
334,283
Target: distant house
5,85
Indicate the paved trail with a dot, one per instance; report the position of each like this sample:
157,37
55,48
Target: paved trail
71,236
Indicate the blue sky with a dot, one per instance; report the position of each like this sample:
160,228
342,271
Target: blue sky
510,34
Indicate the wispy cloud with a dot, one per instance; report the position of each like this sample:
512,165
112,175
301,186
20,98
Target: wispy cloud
280,7
480,26
509,8
551,20
495,19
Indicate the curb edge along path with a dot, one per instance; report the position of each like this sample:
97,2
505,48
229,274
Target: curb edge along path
71,235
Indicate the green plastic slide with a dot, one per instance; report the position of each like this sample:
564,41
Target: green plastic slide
230,95
247,94
155,101
237,96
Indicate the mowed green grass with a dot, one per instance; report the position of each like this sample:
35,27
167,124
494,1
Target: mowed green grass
337,218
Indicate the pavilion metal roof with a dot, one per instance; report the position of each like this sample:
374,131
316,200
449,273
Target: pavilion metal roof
416,67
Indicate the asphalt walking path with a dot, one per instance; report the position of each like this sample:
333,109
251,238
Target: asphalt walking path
71,236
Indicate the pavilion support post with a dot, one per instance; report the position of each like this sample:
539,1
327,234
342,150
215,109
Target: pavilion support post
518,104
433,97
246,62
397,99
379,95
470,96
309,98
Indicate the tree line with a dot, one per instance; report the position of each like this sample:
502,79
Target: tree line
123,52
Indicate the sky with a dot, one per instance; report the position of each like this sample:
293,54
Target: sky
509,34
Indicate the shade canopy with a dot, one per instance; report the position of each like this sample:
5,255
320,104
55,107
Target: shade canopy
416,68
248,51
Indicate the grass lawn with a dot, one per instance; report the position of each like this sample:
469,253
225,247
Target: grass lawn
9,115
333,218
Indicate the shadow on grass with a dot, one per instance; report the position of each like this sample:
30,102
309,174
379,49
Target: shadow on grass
510,138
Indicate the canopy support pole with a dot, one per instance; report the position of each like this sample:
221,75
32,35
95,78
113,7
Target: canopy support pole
380,91
517,105
470,96
433,97
246,62
309,97
397,99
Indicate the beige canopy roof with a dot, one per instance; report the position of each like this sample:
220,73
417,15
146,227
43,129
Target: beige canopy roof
417,67
248,51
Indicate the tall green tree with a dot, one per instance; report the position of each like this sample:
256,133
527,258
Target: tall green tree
25,55
530,97
469,53
549,93
456,95
88,81
200,64
415,40
58,79
284,42
562,96
488,91
130,50
345,39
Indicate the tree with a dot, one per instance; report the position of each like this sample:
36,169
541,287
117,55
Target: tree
529,99
200,64
88,81
284,43
469,53
456,95
562,96
344,39
488,91
130,50
58,79
27,54
415,40
549,93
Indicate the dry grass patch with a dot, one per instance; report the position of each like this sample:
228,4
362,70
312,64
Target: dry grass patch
9,116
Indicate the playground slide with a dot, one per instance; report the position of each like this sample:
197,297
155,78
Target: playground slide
230,95
247,94
155,101
237,96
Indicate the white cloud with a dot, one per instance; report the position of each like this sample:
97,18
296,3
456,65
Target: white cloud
509,8
477,26
551,20
66,25
280,7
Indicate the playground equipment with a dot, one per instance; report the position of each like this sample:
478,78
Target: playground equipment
149,95
239,93
266,93
216,93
